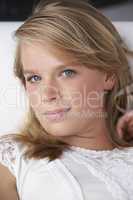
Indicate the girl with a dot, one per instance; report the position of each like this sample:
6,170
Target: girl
72,63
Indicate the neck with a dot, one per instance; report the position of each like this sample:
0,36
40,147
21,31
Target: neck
97,138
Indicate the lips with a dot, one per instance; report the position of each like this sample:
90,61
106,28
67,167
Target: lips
57,111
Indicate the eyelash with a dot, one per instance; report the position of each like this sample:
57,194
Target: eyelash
29,79
73,71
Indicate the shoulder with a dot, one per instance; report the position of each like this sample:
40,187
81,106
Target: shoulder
121,153
120,157
128,151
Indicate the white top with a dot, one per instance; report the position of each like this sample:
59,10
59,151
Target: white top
79,174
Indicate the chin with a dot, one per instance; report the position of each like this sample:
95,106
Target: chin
59,131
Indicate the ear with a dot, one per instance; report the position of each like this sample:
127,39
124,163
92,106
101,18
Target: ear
109,81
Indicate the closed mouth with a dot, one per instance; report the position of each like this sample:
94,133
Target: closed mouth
57,111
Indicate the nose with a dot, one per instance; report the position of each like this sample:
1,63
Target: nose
50,93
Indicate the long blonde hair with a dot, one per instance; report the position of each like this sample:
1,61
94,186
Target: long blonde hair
80,30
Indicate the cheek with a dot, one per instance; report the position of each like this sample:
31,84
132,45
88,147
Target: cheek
87,95
94,98
34,96
95,94
30,88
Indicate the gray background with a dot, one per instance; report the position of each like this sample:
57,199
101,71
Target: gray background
120,12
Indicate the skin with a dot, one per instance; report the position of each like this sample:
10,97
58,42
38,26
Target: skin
8,189
125,123
78,87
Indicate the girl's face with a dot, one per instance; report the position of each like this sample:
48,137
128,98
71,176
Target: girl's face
53,84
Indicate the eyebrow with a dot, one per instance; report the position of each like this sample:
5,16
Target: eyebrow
59,67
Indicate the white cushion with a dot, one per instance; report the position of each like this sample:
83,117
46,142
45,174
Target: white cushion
13,103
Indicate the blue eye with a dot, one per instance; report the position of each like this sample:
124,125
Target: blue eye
33,79
69,72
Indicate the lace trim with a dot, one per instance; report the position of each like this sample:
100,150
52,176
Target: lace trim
8,153
84,151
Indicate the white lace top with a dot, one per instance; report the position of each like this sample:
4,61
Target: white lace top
80,174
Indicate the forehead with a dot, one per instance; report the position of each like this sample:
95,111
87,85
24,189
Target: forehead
37,52
36,57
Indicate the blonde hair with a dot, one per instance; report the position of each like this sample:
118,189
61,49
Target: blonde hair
79,30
